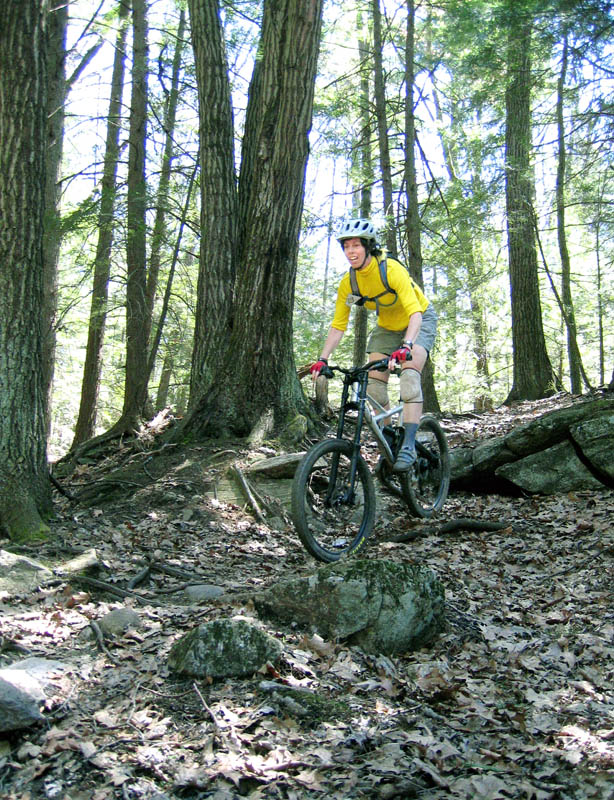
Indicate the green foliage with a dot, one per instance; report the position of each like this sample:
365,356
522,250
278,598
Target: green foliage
460,69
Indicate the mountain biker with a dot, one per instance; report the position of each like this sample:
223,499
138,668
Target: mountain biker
405,331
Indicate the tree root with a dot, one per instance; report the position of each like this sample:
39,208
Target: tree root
452,526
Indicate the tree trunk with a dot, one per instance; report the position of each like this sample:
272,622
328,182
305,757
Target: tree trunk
534,377
25,489
158,236
365,171
412,221
164,382
573,354
138,321
56,34
382,127
86,420
218,212
255,384
159,327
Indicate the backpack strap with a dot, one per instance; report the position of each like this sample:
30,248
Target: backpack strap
383,274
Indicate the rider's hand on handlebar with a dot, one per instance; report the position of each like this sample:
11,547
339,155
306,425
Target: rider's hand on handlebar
399,356
317,368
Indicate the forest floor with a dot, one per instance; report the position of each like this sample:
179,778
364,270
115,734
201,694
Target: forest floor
513,700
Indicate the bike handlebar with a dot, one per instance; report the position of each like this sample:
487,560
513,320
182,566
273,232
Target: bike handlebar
379,364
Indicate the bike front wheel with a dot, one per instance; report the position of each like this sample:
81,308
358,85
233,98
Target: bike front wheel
332,514
429,478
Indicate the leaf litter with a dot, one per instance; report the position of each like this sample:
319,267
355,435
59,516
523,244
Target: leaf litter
513,700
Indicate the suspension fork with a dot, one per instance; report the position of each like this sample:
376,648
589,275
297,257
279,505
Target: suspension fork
348,381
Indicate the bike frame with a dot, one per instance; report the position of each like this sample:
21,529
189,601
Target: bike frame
357,382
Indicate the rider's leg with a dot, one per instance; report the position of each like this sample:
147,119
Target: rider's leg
378,383
411,395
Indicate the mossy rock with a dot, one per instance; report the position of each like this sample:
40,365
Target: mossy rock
223,648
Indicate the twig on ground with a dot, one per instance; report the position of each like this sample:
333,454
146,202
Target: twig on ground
248,493
112,589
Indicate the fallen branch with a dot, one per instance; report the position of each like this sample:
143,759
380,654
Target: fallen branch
112,589
452,526
248,493
464,524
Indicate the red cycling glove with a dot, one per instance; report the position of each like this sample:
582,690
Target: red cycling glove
318,366
401,355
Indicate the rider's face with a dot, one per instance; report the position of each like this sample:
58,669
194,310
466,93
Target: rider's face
355,252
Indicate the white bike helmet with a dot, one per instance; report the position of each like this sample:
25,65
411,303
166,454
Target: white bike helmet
361,228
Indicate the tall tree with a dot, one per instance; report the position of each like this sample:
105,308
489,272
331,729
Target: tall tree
218,215
56,32
365,174
382,126
534,377
254,378
138,318
568,311
412,219
25,489
86,419
158,235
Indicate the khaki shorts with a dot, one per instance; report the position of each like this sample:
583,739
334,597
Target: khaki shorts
386,341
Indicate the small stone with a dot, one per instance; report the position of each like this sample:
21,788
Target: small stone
119,621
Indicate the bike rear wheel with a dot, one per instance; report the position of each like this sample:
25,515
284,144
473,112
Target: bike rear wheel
331,519
429,478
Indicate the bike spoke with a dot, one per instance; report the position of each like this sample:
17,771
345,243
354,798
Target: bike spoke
331,517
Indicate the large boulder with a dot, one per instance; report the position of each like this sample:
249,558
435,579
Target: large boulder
381,606
566,449
595,438
555,470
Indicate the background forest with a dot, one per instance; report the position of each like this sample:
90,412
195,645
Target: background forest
460,74
173,174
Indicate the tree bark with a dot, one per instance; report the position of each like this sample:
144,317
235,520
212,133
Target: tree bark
86,419
534,377
382,127
56,34
25,489
158,236
218,211
412,221
365,167
255,385
138,321
573,353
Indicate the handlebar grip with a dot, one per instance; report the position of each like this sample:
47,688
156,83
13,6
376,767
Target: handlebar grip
379,366
327,372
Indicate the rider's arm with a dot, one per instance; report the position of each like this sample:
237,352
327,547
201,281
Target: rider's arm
413,328
332,340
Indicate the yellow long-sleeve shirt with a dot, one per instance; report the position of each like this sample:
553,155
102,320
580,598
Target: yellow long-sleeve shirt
394,313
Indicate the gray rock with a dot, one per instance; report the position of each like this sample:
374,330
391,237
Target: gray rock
555,470
461,463
119,621
20,574
19,707
595,437
491,454
41,670
223,648
382,606
202,592
22,691
553,427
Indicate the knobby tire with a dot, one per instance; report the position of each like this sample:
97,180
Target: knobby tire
329,523
429,478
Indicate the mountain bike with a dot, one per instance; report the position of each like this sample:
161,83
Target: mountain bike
333,491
